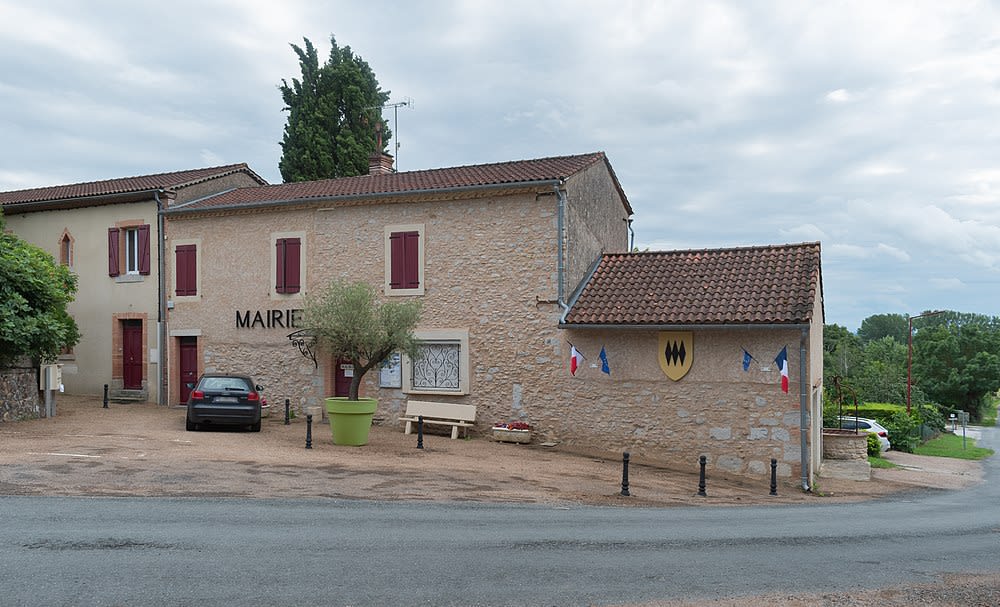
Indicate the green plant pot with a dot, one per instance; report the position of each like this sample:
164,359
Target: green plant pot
350,420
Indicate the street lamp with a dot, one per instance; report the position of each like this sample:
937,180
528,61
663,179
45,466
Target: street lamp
909,354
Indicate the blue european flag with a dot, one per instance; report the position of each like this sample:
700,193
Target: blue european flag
746,360
604,362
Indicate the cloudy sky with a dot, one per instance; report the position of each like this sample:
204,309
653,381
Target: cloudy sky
871,127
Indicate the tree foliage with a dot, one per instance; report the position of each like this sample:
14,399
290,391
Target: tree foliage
884,325
958,365
350,324
332,114
34,293
955,361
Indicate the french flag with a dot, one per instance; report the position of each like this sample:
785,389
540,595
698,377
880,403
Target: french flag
782,361
574,359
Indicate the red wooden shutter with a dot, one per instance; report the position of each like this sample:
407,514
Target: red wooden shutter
397,261
279,279
187,270
113,252
293,250
411,243
144,249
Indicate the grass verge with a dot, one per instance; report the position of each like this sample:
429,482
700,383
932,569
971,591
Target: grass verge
881,462
950,445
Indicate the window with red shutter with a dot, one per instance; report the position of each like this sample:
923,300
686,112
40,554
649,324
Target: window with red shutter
288,265
144,249
113,252
187,270
404,268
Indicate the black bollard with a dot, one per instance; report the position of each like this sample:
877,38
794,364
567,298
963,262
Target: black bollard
420,432
701,477
625,474
774,476
105,396
288,419
309,431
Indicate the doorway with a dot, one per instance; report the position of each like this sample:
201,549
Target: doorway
343,373
132,354
189,366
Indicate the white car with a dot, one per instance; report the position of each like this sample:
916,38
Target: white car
868,425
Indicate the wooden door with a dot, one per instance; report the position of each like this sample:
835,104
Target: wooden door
343,373
132,354
189,366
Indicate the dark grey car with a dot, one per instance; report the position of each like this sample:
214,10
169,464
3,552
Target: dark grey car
220,399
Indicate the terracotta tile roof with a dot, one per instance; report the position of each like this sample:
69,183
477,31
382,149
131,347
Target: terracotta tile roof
363,186
750,285
124,185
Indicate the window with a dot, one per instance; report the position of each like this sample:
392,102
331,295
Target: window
128,250
441,365
404,260
66,249
288,257
186,277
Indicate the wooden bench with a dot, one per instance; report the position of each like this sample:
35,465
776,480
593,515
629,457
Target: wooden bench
444,414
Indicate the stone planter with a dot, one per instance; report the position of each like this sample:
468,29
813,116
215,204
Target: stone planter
506,435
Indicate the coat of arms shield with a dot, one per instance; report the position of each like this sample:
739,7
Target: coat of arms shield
676,353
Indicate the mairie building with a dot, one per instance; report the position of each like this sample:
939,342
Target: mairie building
534,307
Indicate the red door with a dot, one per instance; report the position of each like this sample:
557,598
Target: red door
343,373
189,366
132,354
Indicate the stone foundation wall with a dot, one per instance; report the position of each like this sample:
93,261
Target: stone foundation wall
19,394
845,445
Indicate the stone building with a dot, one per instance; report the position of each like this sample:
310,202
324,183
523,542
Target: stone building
107,233
518,265
690,339
490,250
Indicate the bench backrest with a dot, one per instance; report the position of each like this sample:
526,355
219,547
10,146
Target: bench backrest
465,413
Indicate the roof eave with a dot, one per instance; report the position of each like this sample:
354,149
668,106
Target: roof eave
318,200
686,327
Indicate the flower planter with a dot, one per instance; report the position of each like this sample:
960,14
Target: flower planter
350,420
507,435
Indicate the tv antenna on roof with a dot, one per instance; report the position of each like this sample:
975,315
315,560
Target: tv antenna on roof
406,102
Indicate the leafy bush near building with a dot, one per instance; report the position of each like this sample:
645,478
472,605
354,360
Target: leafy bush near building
874,447
34,293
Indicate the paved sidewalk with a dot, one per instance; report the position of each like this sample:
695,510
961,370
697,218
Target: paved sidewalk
145,450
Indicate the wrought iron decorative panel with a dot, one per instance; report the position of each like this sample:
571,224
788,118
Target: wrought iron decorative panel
437,366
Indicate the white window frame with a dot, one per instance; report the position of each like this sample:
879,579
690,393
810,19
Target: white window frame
445,336
131,250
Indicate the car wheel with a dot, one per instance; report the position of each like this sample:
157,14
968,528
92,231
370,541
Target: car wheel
190,425
255,427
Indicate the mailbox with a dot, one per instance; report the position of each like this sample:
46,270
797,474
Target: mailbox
50,377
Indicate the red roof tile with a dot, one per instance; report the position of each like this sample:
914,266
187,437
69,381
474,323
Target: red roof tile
124,185
750,285
472,176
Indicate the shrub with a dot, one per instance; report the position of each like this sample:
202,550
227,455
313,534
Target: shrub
874,447
903,431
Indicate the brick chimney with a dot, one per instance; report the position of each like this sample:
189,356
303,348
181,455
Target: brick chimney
380,164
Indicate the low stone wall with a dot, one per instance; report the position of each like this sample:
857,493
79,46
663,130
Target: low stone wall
19,394
845,444
845,455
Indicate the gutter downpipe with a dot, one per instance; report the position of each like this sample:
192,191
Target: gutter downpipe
560,258
161,305
804,410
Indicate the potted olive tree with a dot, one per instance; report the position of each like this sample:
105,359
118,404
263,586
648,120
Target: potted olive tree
350,324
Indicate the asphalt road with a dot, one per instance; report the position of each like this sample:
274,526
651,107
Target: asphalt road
196,551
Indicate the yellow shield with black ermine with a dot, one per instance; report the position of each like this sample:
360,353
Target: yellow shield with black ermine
676,353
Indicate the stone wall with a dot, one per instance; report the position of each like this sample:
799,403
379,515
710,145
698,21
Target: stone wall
19,394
